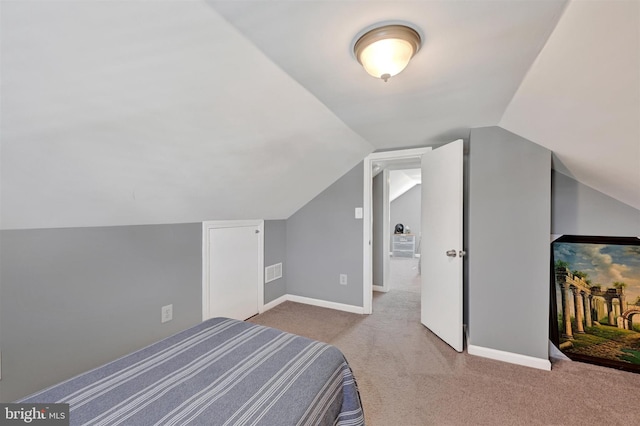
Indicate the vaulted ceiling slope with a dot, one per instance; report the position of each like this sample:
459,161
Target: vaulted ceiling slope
581,97
117,113
135,112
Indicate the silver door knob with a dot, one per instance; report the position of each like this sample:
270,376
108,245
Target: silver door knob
462,253
452,253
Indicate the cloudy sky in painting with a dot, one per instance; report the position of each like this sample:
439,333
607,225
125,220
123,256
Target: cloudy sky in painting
604,264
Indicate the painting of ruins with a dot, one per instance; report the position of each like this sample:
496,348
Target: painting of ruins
596,300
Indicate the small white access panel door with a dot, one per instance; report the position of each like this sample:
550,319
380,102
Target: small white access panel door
234,272
441,304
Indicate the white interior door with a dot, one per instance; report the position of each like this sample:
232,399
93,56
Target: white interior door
234,272
441,298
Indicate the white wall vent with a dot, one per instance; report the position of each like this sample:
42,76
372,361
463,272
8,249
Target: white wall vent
272,272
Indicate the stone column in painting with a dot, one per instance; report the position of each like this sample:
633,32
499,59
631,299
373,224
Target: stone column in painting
579,307
565,292
612,314
587,309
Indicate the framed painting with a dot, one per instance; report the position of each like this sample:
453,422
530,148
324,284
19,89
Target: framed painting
595,300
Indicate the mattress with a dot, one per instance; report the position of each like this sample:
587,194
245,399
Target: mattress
220,372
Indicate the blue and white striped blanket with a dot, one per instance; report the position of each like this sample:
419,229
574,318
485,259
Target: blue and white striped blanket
220,372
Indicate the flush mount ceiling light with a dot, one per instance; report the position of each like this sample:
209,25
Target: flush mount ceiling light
385,51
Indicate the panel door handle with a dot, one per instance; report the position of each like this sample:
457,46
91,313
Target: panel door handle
452,253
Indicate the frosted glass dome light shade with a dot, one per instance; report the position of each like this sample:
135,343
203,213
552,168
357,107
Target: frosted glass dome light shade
386,57
386,51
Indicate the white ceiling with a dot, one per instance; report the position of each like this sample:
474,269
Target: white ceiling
401,181
581,98
139,112
119,113
474,56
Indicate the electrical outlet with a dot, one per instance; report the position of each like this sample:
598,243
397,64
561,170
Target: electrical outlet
343,279
167,313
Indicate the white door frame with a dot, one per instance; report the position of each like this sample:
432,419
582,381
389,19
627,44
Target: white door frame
215,224
367,223
386,239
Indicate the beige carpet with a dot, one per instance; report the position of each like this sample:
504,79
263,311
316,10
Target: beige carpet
408,377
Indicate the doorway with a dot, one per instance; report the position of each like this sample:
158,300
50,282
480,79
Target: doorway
374,164
395,204
441,222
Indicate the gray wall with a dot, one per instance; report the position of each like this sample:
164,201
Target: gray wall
324,240
581,210
508,242
275,243
377,213
73,299
406,209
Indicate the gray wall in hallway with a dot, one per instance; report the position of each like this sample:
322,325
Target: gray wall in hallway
508,242
324,240
275,243
406,209
578,209
75,298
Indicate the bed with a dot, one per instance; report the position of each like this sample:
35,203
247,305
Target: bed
220,372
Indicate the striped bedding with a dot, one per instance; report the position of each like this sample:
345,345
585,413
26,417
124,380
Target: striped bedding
220,372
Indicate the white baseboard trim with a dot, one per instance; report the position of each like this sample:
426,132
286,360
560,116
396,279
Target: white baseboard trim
326,304
315,302
380,288
274,303
527,361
